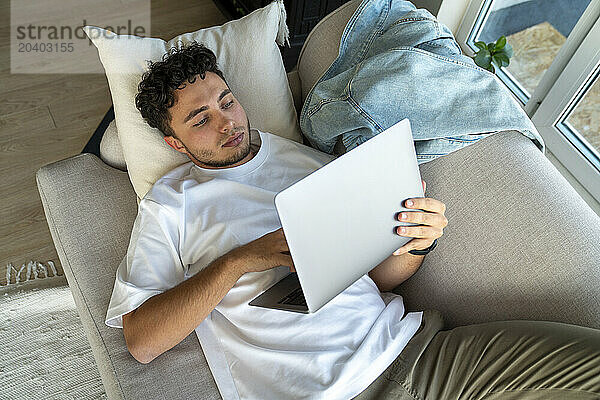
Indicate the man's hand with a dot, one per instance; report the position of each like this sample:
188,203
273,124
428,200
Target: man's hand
432,223
266,252
167,318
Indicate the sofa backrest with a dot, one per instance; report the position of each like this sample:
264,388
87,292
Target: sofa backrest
322,45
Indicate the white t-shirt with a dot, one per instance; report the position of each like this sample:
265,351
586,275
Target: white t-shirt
192,216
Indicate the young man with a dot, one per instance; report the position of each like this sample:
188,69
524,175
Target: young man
207,240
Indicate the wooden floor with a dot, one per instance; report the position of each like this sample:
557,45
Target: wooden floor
46,118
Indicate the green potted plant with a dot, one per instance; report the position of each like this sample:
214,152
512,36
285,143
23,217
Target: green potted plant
496,54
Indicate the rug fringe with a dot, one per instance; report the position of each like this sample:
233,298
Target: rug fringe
35,268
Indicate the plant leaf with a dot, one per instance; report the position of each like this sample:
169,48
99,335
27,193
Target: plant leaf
502,59
483,58
491,46
496,61
480,45
500,43
491,68
508,50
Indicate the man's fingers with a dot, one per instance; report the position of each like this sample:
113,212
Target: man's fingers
277,241
426,204
283,243
283,247
423,231
424,218
287,261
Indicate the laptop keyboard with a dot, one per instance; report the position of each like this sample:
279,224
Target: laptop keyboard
296,298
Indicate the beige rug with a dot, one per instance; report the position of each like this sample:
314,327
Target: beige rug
45,354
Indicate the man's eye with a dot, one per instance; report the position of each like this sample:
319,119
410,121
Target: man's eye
228,104
201,122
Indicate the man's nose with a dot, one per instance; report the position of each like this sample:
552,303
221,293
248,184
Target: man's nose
226,124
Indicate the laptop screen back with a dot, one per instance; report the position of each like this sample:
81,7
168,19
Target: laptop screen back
339,221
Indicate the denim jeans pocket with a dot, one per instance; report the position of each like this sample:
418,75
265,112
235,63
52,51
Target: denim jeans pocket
428,150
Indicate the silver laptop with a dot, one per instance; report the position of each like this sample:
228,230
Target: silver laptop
339,221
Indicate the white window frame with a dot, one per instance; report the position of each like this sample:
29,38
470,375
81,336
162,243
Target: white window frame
570,87
559,90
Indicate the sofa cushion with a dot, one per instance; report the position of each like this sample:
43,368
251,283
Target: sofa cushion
111,151
520,242
248,55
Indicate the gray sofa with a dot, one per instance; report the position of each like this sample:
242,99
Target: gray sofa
520,243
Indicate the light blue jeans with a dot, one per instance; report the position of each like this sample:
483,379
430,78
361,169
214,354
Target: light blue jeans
396,62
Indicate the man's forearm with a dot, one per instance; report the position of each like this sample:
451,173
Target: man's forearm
166,319
394,270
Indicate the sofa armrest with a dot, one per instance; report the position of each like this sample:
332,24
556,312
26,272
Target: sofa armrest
520,243
90,208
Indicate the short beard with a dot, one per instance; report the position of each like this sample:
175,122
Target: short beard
207,155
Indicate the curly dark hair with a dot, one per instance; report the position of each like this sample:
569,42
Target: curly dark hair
156,91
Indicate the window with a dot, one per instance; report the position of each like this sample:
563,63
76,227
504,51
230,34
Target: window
554,72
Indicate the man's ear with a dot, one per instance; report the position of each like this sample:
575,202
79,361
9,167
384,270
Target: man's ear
175,144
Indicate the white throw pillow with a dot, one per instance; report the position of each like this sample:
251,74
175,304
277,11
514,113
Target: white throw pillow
249,58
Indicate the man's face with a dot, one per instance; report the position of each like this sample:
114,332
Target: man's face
210,125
